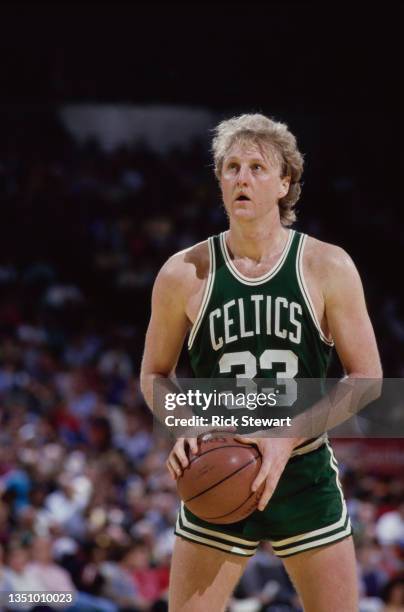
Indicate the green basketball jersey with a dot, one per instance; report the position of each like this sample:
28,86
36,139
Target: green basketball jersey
258,327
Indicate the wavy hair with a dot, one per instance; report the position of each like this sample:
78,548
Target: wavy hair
264,132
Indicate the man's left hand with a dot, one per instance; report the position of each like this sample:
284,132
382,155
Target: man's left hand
275,455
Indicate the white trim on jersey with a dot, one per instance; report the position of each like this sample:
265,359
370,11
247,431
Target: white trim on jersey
305,292
311,446
206,295
260,279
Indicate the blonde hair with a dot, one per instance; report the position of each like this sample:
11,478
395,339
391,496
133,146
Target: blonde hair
262,131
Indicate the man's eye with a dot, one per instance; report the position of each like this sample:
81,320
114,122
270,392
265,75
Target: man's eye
257,167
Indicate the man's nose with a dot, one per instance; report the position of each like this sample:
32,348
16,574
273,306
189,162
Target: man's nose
242,178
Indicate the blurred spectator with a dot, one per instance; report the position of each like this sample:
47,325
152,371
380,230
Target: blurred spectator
55,578
393,595
17,575
152,582
372,573
390,527
119,581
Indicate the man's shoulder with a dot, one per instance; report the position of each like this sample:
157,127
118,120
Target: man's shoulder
186,267
324,257
329,268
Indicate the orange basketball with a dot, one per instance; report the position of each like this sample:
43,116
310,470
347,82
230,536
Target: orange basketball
216,485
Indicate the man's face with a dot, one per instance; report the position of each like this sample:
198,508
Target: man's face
251,182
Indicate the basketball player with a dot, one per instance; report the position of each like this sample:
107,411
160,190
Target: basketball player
259,299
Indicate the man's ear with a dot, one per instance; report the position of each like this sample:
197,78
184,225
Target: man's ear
285,184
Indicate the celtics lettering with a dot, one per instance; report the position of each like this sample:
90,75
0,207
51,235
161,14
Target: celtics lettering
243,318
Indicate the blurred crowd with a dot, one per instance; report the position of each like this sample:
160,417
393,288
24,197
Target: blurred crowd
86,502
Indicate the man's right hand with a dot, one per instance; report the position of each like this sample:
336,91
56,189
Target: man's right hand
187,447
178,458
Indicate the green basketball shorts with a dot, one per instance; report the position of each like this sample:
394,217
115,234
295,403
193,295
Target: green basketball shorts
307,510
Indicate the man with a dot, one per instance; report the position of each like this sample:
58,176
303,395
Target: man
257,300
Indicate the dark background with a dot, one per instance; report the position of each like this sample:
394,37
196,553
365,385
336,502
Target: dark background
295,58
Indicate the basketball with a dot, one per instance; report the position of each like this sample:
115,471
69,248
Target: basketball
216,485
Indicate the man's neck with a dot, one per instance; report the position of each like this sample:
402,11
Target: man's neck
258,241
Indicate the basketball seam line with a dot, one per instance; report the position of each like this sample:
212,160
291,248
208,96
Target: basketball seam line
220,481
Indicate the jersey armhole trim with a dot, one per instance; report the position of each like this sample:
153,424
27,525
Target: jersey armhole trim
206,295
305,292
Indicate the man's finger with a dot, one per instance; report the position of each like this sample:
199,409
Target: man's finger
227,429
193,445
175,464
171,470
266,495
261,476
180,453
244,440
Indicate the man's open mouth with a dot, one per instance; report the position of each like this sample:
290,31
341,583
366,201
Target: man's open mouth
242,197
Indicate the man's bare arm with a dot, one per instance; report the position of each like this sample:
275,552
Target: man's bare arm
352,331
176,291
347,316
167,328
